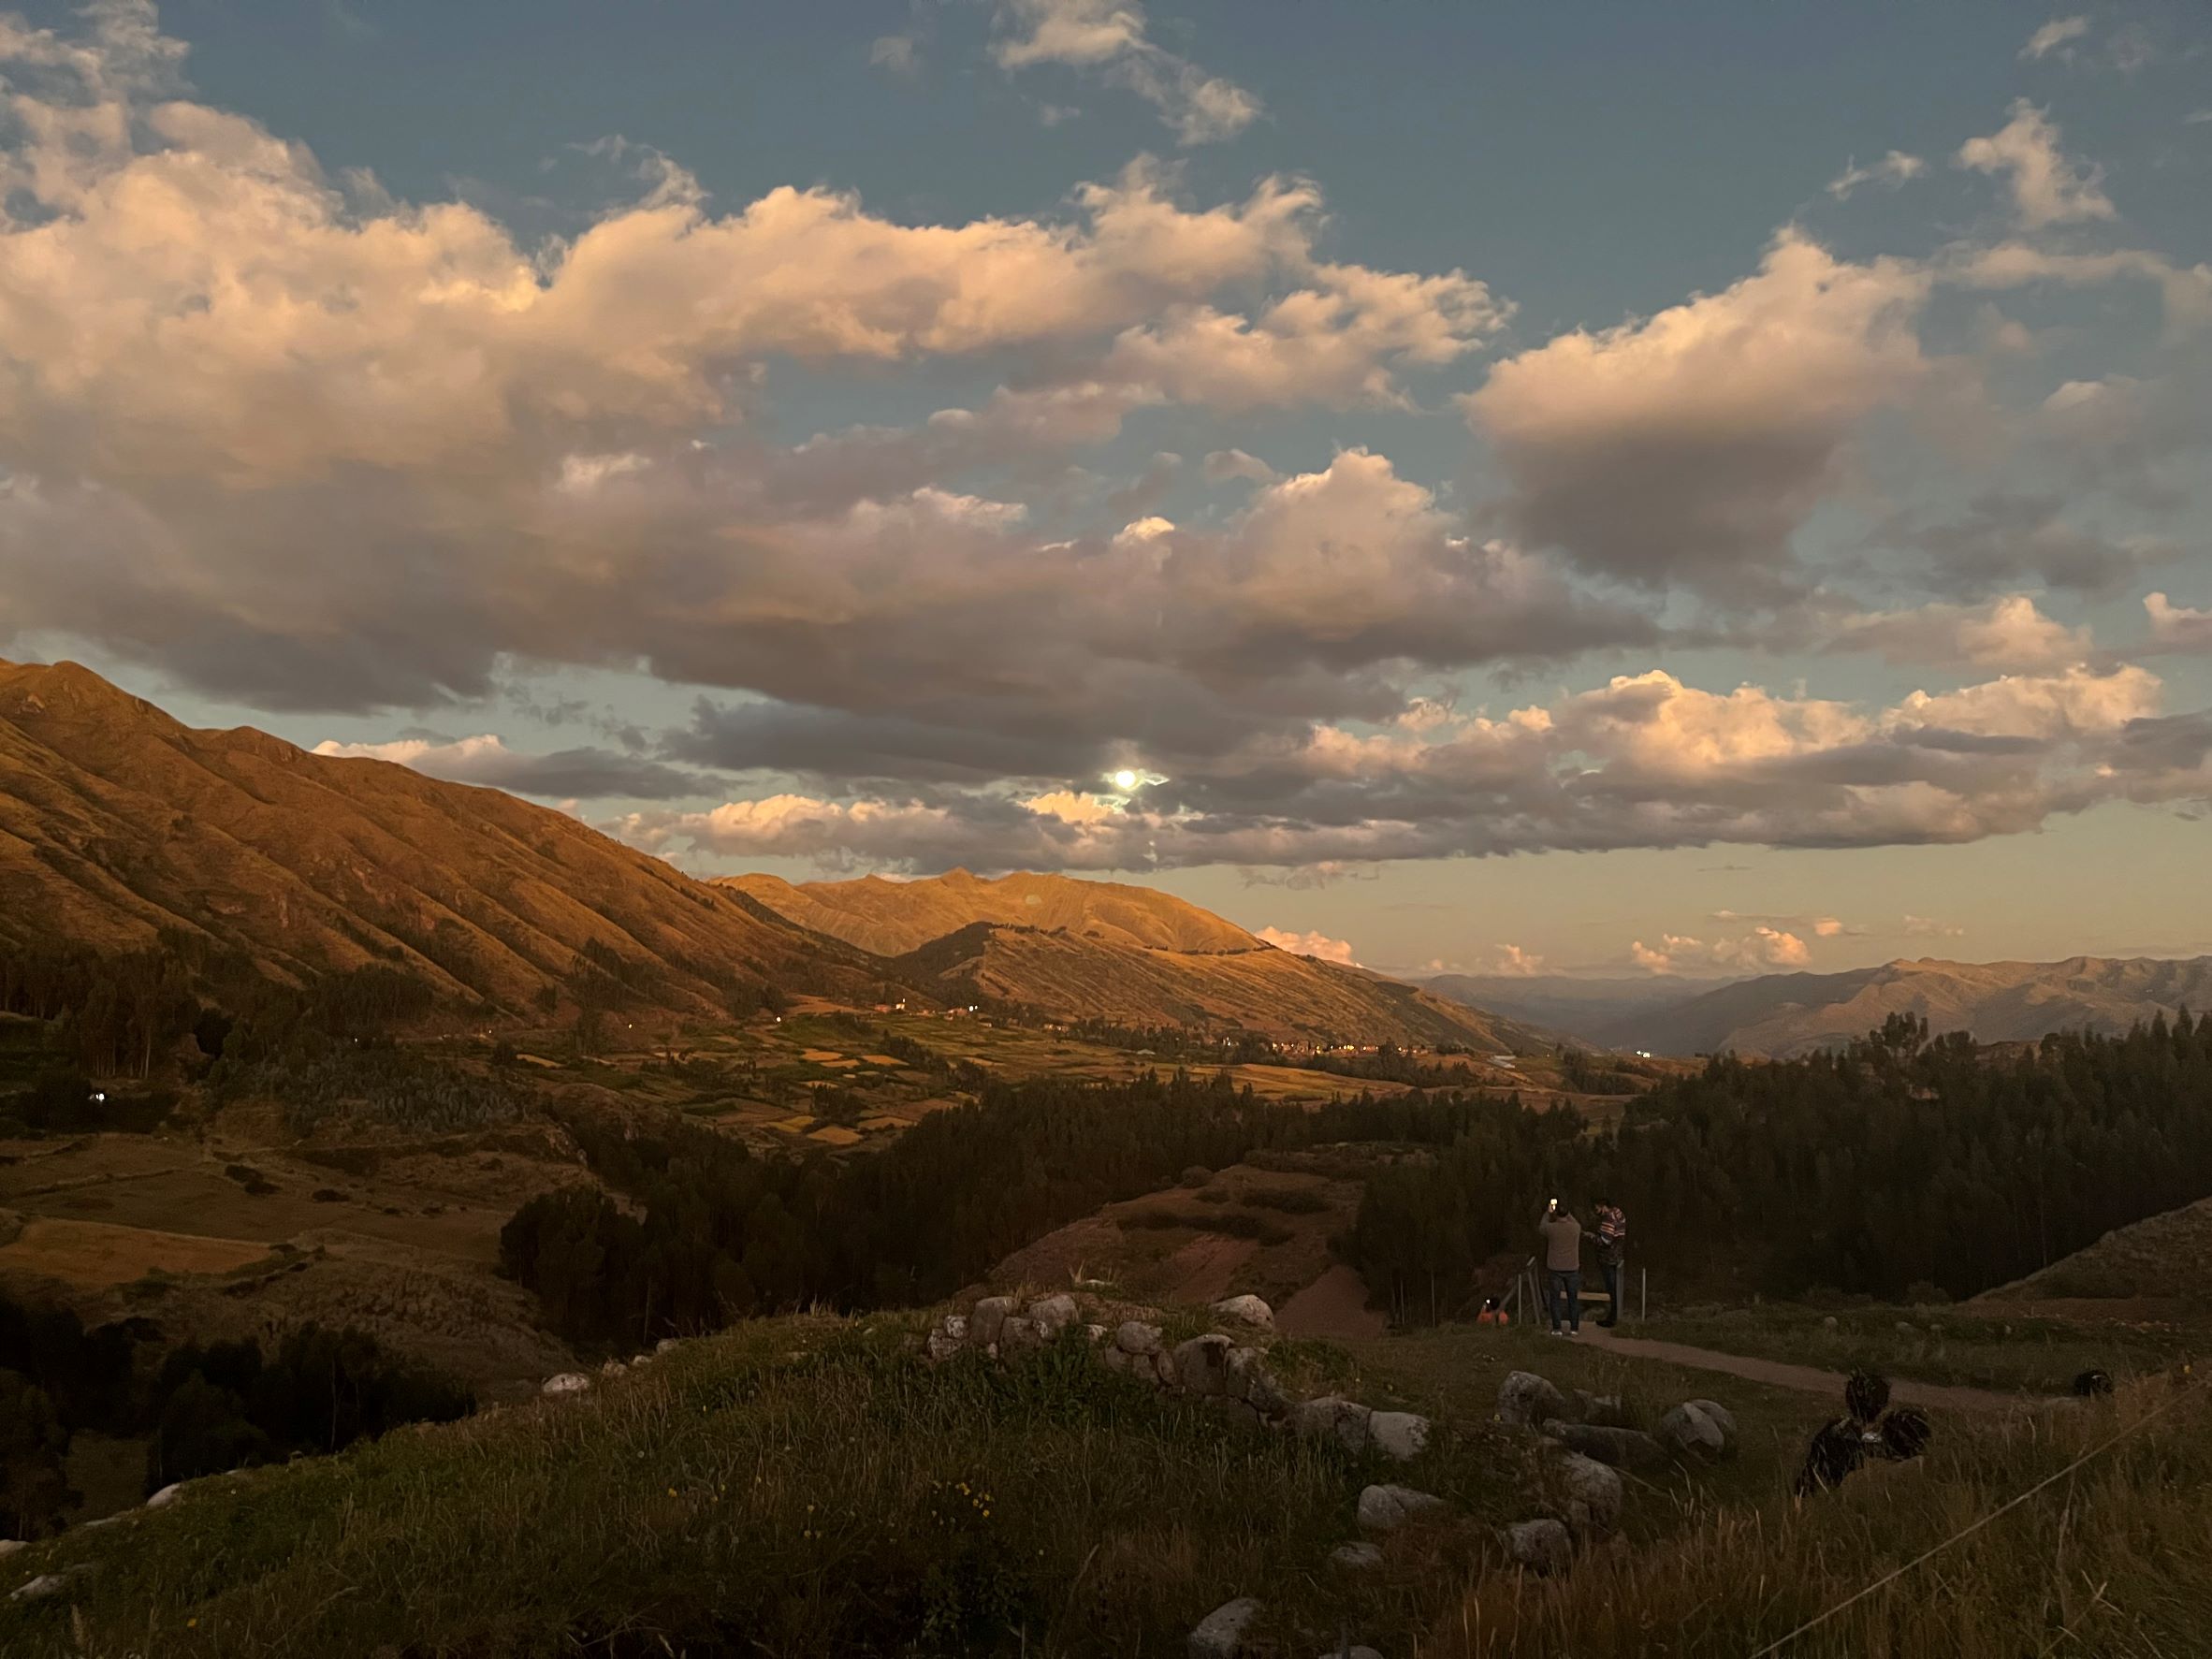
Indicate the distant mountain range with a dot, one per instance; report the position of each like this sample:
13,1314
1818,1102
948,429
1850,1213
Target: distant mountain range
121,829
1784,1014
1132,955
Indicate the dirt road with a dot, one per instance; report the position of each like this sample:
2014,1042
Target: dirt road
1811,1378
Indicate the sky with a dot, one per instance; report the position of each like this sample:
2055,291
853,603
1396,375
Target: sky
1605,490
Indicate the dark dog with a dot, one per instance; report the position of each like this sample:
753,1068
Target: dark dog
1844,1443
2089,1384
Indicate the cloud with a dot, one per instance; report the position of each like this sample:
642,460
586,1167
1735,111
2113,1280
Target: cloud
898,54
1511,961
2002,538
1310,944
2178,627
1819,926
2054,34
2009,632
1928,928
1644,760
1762,947
2046,187
1224,464
1692,446
1892,170
1108,38
2185,290
487,760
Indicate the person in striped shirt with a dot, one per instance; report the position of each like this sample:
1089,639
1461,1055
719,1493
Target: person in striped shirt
1612,1254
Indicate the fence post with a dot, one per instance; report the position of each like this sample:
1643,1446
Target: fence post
1643,1309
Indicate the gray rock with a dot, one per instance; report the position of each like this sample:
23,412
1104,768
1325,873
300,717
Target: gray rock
1400,1434
953,1326
665,1344
1054,1313
1095,1335
1541,1545
38,1588
613,1368
1250,1309
1327,1417
1594,1494
1250,1381
1386,1508
1605,1410
1016,1334
166,1496
1689,1434
568,1382
1829,1324
9,1546
938,1348
1136,1337
1526,1399
986,1318
1356,1558
1220,1634
1163,1368
1618,1448
1201,1365
1115,1360
1722,1418
1906,1327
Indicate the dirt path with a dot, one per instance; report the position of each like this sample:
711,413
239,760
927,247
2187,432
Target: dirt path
1334,1304
1809,1378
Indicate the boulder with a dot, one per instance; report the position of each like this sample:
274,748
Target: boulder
1327,1417
1722,1418
938,1348
1400,1434
1594,1494
1017,1334
1095,1335
1605,1410
1250,1381
9,1546
1541,1545
1688,1434
166,1496
954,1327
1220,1634
38,1588
1526,1399
1386,1508
1115,1360
613,1368
568,1382
1828,1323
1052,1314
1201,1365
1136,1337
1617,1449
1249,1309
1163,1368
1356,1558
985,1318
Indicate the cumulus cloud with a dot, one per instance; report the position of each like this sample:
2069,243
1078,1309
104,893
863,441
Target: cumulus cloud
1645,760
2185,290
2046,187
2178,627
1309,944
1763,947
2009,632
1693,445
1511,961
1928,927
485,759
899,55
1108,38
2054,34
1892,170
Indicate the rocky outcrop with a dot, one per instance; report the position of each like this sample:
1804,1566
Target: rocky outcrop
1247,1310
1400,1434
1386,1508
1594,1495
1691,1435
566,1383
1222,1633
1541,1545
1525,1400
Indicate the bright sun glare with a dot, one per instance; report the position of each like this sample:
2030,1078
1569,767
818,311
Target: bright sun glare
1124,780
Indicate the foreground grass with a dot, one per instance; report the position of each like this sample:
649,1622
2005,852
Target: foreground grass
803,1487
2112,1560
1981,1350
797,1487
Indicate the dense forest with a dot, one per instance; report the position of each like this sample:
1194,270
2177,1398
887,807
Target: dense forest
723,1234
205,1410
1897,1166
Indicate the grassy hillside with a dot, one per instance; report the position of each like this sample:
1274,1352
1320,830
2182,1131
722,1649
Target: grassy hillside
891,918
2158,1262
119,826
803,1486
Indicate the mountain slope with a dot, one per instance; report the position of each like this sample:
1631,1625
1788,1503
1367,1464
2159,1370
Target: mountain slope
1100,950
2147,1260
1783,1015
892,917
117,823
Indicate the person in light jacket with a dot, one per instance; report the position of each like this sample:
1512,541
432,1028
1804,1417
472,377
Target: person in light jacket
1563,1267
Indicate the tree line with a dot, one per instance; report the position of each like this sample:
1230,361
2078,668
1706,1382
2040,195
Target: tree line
1895,1167
205,1410
712,1232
